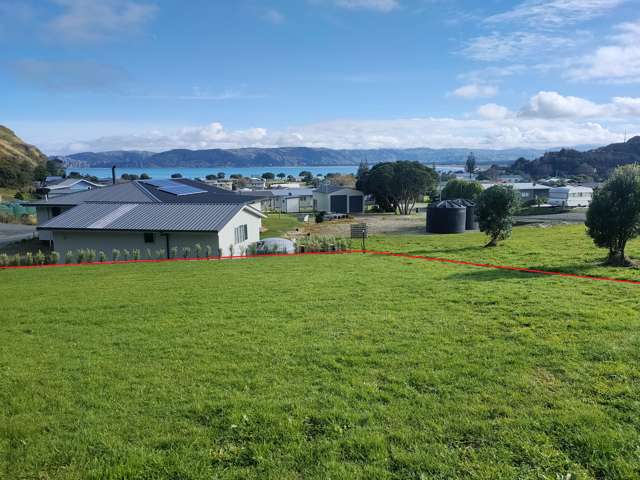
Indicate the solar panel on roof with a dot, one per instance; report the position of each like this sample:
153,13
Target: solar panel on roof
161,182
181,189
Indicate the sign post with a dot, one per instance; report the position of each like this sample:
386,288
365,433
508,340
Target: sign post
361,231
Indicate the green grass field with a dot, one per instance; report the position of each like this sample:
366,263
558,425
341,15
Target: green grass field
338,366
278,224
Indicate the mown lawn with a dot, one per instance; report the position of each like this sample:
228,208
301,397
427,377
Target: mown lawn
340,366
278,224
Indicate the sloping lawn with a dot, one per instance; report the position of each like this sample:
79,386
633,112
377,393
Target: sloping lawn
337,366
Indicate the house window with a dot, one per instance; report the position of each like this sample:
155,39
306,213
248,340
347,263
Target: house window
149,238
241,233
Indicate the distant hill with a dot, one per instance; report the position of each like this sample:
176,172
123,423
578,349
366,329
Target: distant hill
18,159
289,156
597,163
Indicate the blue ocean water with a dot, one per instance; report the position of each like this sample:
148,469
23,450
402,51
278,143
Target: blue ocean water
158,173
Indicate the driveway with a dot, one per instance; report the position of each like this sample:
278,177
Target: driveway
12,232
567,217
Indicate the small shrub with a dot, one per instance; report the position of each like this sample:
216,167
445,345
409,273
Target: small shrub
28,259
160,253
68,257
197,250
39,258
173,252
126,255
102,257
4,260
252,249
186,252
91,256
135,254
115,254
54,258
208,251
231,250
15,260
320,217
82,256
149,254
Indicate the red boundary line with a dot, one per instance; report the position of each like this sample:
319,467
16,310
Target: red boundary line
372,252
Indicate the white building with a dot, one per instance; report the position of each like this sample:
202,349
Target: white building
570,196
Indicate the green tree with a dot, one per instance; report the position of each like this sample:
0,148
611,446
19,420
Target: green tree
361,175
176,175
495,209
397,186
268,175
461,189
282,175
145,176
221,175
470,165
613,217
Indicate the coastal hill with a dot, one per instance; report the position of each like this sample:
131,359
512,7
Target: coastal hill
18,160
289,157
598,163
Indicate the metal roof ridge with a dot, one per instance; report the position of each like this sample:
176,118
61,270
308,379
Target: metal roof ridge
138,184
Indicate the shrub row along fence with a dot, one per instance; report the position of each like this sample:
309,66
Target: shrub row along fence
304,245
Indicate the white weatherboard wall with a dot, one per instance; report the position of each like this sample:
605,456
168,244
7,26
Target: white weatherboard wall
226,236
106,241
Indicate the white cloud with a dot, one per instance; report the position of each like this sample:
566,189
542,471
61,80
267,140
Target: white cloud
514,45
93,20
555,13
552,105
474,90
618,62
376,5
492,111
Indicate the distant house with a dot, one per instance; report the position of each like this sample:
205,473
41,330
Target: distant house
527,191
570,196
286,200
56,186
337,199
257,183
227,184
137,214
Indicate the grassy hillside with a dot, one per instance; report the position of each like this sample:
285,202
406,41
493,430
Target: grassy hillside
343,367
17,159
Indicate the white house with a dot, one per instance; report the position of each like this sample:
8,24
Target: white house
184,200
337,199
527,191
570,196
286,200
227,228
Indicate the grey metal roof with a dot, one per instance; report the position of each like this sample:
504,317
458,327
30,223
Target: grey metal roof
332,188
210,193
292,192
121,192
166,217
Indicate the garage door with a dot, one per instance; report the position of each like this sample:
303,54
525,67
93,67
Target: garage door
339,203
355,204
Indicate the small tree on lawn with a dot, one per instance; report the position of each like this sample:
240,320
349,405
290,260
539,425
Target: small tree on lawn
496,207
470,164
613,217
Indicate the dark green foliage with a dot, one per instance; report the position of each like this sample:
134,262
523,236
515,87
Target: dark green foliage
145,176
176,175
455,188
495,208
397,186
613,217
268,175
282,175
470,164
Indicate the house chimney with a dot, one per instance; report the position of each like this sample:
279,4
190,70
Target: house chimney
113,174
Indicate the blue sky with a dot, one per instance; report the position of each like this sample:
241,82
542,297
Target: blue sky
80,75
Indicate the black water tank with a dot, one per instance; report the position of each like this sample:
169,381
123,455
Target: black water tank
471,222
446,216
